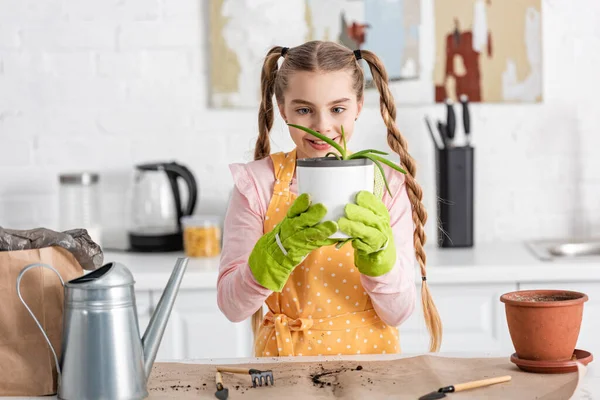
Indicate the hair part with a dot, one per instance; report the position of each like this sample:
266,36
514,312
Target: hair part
319,56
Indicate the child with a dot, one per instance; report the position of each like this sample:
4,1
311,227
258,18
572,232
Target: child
321,300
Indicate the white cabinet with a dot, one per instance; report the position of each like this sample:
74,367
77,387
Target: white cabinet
197,328
143,301
589,335
472,316
473,319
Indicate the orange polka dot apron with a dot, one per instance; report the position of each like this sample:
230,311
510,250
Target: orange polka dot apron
323,308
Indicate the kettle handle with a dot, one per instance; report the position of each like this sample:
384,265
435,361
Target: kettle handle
188,176
28,267
175,170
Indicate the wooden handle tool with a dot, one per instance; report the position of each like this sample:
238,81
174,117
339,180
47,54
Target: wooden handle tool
233,370
441,393
258,377
475,384
222,392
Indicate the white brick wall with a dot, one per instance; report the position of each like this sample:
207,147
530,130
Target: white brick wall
158,35
103,85
68,36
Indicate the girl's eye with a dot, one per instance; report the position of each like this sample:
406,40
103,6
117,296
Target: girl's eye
303,111
338,110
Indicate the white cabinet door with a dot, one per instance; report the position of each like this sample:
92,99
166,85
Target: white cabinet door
143,301
590,325
472,316
171,345
197,329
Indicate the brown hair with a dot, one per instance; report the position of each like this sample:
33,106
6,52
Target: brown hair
329,57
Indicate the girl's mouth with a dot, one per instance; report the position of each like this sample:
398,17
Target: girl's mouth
320,145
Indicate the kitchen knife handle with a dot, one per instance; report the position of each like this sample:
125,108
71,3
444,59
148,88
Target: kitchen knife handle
234,370
443,134
439,146
451,120
466,117
484,382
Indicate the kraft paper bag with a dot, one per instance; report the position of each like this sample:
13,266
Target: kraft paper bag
27,366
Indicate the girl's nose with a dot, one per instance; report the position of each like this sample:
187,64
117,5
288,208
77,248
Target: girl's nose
321,124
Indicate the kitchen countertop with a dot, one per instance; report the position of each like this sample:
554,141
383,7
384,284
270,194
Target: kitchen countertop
589,390
590,386
487,262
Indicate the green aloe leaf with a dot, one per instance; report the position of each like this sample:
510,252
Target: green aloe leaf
361,153
389,163
376,162
321,137
341,243
333,154
344,141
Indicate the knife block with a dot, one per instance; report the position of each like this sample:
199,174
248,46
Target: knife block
454,186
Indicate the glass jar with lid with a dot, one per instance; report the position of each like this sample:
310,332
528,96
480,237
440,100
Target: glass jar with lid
201,235
79,206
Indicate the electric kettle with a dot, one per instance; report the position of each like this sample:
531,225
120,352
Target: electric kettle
102,355
158,205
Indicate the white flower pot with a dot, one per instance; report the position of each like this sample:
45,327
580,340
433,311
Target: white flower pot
334,183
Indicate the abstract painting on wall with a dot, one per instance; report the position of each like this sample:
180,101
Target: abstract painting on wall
242,31
490,50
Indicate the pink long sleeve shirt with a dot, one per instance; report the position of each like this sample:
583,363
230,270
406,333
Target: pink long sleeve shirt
239,295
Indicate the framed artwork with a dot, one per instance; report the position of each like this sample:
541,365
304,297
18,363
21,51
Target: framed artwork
490,50
242,31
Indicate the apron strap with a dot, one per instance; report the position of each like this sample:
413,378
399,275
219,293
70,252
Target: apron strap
284,165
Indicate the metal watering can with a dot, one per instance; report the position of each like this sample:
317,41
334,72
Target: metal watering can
103,356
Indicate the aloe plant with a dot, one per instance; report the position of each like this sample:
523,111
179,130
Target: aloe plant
371,154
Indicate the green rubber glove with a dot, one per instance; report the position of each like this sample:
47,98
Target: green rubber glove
278,252
368,223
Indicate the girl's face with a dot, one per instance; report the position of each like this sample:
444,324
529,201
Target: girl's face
323,102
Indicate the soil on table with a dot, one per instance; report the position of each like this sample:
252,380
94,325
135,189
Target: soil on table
329,377
358,379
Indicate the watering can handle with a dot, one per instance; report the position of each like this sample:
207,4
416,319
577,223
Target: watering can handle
31,312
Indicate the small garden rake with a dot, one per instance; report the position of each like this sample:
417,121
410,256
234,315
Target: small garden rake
258,377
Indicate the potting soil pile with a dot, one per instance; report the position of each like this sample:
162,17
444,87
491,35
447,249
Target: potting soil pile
405,378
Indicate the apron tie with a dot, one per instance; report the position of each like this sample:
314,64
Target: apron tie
284,326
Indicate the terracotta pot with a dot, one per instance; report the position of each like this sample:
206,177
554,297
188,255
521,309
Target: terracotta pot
544,324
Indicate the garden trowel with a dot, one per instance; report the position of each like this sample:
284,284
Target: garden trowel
441,393
222,392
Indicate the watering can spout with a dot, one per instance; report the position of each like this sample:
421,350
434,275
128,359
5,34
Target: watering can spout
154,332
